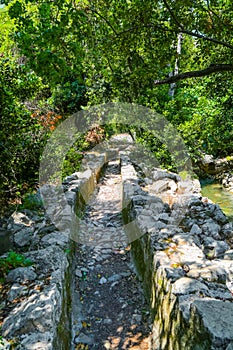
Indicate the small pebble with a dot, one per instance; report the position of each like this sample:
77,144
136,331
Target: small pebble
107,321
78,273
103,280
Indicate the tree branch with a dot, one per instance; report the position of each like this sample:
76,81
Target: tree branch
179,30
213,68
196,34
211,11
105,19
204,37
173,15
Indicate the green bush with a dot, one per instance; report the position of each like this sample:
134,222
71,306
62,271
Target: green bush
12,261
203,117
21,137
68,97
31,201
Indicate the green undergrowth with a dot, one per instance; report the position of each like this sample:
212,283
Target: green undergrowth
12,261
31,201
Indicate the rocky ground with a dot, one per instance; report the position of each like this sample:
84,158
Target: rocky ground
111,312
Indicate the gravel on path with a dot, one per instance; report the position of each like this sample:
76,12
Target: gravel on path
110,311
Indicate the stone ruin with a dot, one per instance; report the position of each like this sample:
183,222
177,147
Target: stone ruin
181,246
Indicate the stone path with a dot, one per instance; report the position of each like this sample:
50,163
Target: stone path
109,310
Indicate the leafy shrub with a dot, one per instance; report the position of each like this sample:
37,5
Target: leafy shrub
72,161
68,97
22,138
31,201
203,118
85,142
12,261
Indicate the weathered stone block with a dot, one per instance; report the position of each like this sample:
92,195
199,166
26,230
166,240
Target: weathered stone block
21,274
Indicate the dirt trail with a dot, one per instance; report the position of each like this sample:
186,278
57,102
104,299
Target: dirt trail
109,309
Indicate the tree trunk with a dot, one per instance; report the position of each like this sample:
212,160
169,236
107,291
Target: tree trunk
176,69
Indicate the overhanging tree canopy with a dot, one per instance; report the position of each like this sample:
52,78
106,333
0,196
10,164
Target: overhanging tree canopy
130,42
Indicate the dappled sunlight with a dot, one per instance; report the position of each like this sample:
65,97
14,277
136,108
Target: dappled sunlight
131,338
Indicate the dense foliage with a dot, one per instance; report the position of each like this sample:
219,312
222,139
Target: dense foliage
19,134
58,56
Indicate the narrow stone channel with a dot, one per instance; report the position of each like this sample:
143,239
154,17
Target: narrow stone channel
109,309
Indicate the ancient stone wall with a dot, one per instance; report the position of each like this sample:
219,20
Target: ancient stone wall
181,245
182,256
39,299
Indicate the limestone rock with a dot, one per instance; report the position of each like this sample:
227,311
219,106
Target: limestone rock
21,274
78,273
35,314
70,197
84,339
159,174
211,228
164,217
213,247
16,291
228,254
103,280
114,278
57,238
227,181
21,219
4,344
195,230
186,285
174,274
227,230
36,341
217,317
160,186
195,202
23,237
49,259
220,217
230,346
45,229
